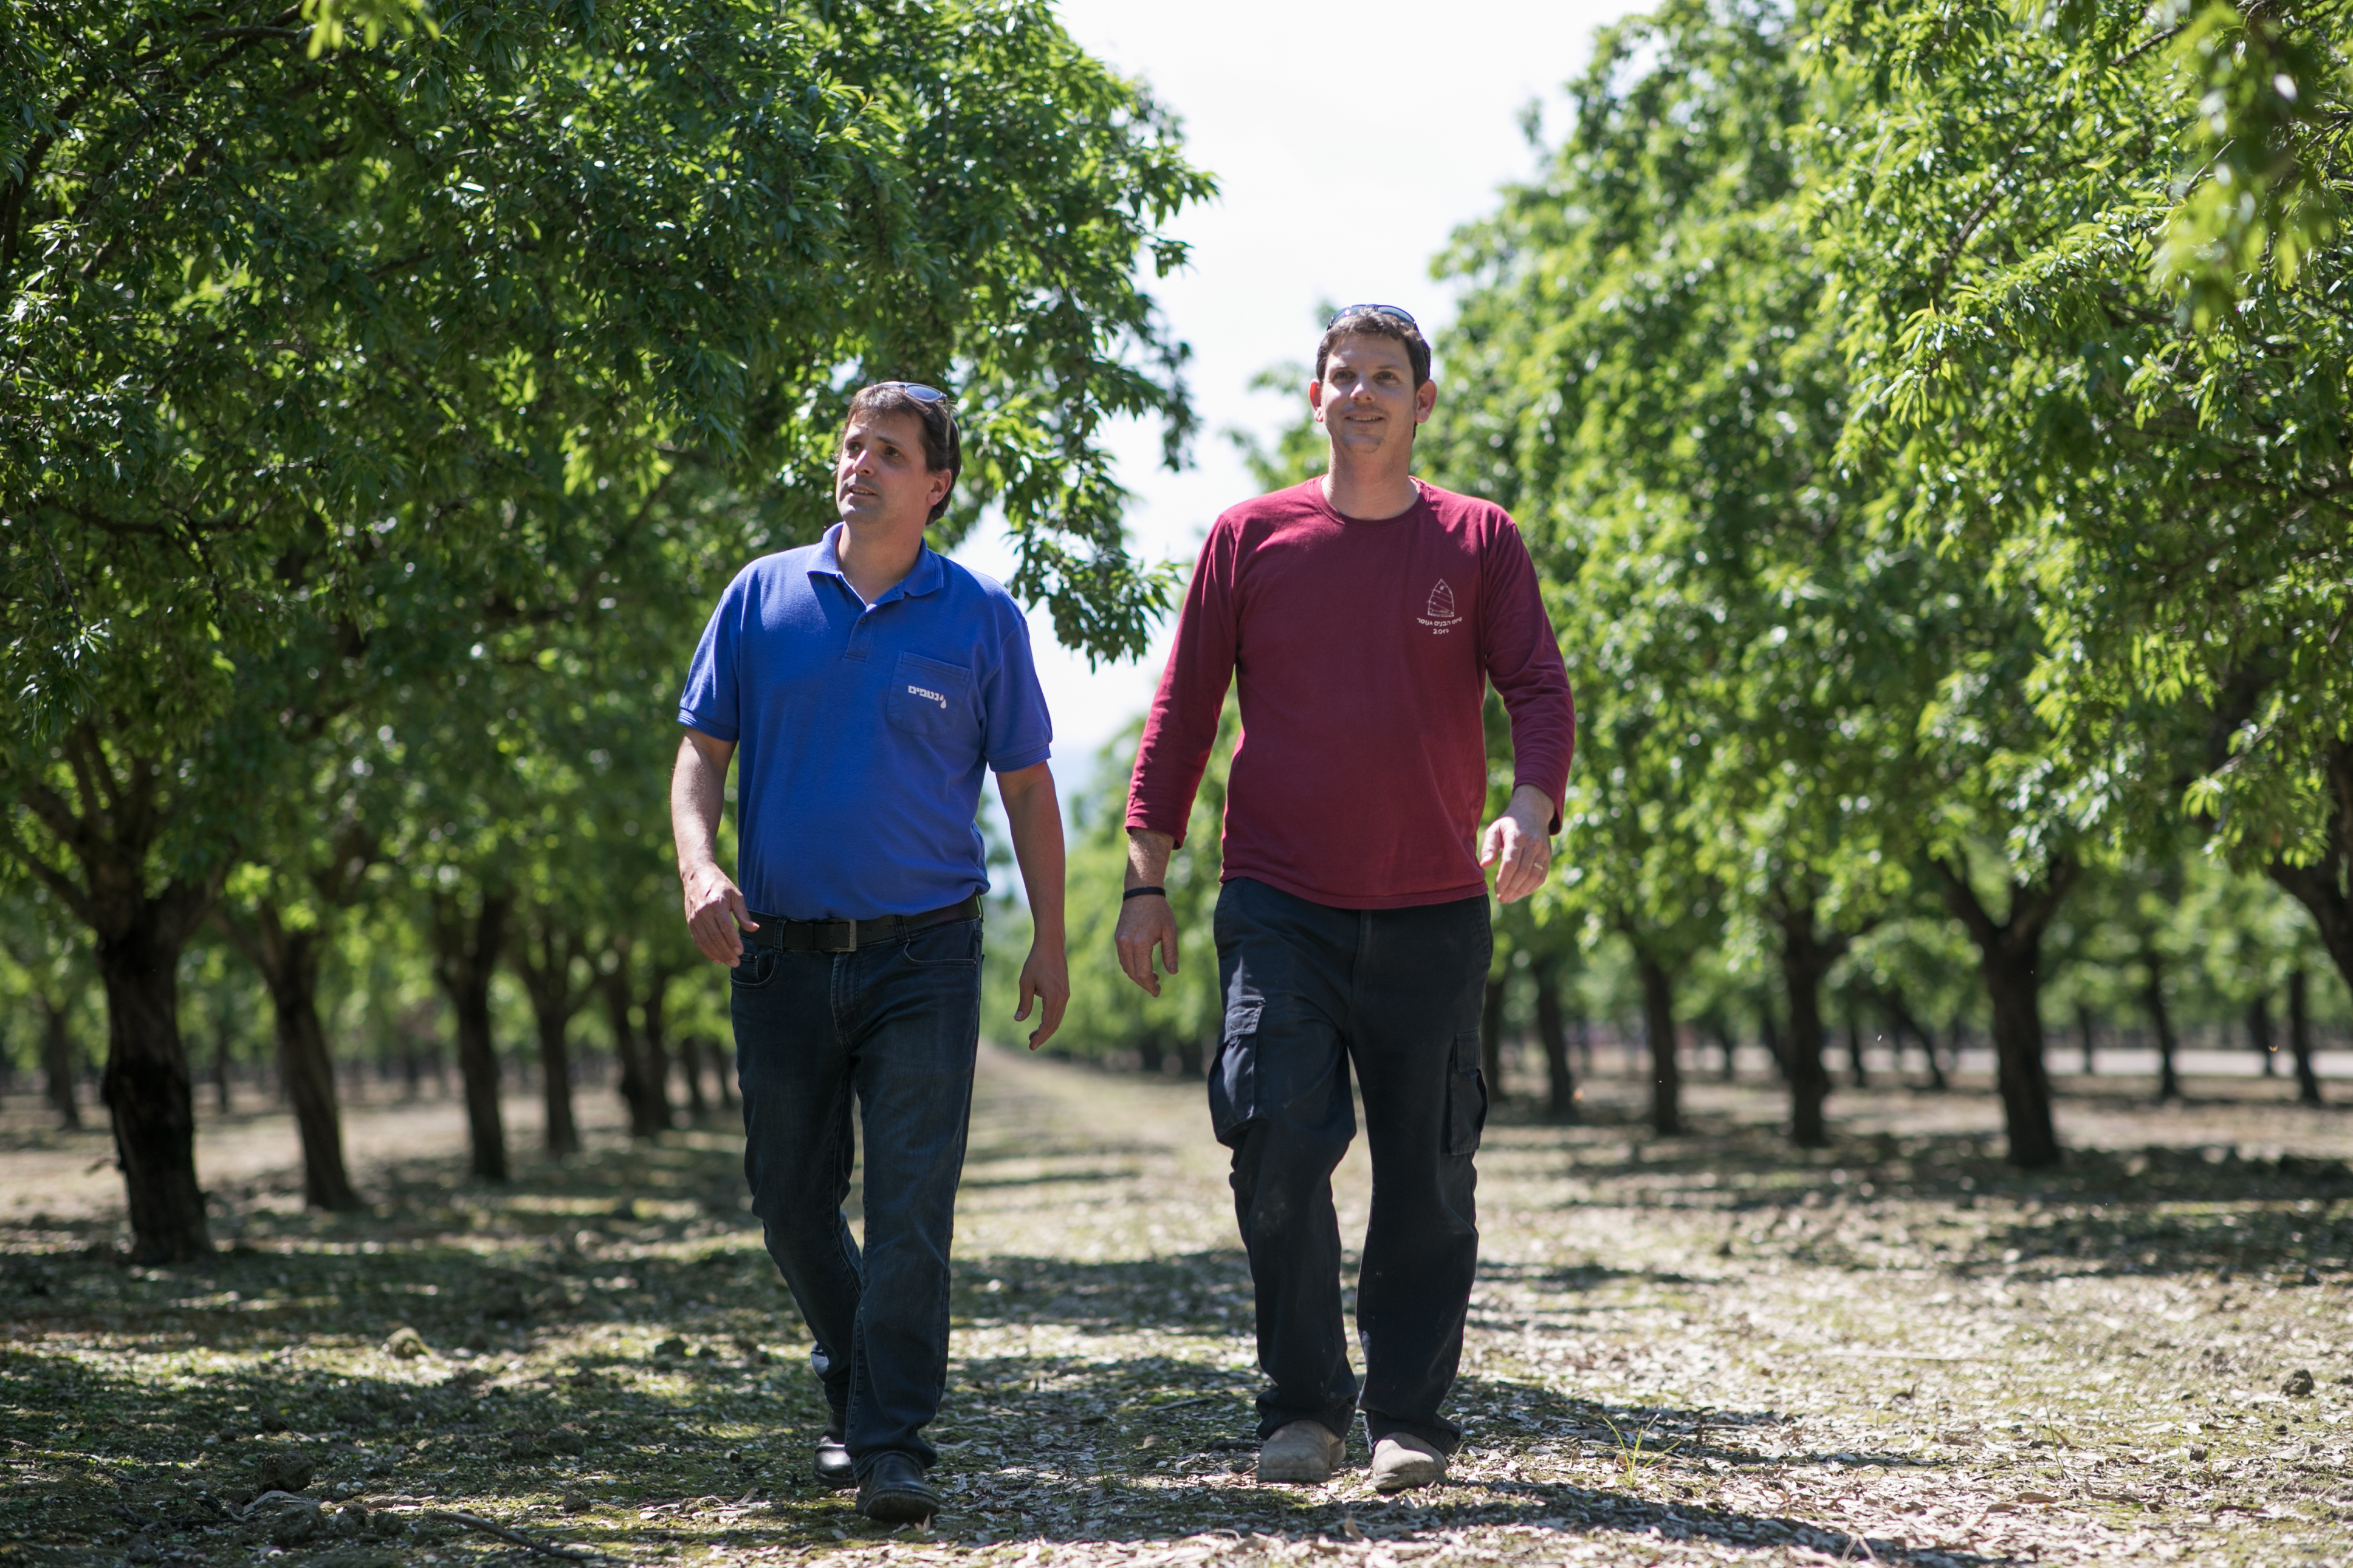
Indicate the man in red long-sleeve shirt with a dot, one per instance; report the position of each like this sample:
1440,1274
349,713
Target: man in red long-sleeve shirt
1364,614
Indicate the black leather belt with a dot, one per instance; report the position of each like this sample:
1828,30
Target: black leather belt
848,936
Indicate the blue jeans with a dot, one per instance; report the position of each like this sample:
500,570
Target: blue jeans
1311,990
896,1023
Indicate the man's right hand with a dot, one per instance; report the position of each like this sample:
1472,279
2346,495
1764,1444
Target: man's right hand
717,915
1145,923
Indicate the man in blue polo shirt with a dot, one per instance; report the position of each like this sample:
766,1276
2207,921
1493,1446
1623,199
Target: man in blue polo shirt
864,684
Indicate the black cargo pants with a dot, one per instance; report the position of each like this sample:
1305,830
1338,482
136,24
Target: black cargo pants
1309,991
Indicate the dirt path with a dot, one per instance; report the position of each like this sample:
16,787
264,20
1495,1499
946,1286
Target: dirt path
1681,1350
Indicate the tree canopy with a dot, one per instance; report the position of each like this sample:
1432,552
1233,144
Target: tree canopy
366,366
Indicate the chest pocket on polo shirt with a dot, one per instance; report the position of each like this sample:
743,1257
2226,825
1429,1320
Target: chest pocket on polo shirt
931,699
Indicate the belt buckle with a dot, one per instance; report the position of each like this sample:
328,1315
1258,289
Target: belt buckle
837,936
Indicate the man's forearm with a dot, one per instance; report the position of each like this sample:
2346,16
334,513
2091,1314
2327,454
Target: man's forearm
1147,857
698,792
1033,815
1037,829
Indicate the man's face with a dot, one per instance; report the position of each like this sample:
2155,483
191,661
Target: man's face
1366,398
880,478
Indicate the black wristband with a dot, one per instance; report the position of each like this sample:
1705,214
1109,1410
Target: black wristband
1139,892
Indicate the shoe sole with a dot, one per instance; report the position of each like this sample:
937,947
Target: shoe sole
1299,1473
899,1508
1402,1479
841,1483
1301,1477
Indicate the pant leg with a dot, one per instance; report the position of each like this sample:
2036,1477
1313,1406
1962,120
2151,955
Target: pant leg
1279,1098
914,1013
793,1065
1414,1028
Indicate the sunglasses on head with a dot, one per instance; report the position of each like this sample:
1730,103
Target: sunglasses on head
917,389
1346,312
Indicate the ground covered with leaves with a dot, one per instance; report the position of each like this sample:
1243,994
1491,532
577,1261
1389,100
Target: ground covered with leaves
1682,1350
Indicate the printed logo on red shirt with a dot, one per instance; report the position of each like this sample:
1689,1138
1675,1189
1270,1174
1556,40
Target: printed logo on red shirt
1440,618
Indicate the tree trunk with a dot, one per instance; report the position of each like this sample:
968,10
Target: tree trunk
223,1041
2160,1018
1560,1081
57,1060
690,1062
146,1089
1902,1021
288,960
2325,886
1857,1074
635,1092
1769,1030
2299,1039
1659,1026
1805,956
2010,957
466,946
555,1083
544,959
2083,1032
656,992
1490,1038
1151,1054
1729,1044
2259,1033
722,1073
1189,1055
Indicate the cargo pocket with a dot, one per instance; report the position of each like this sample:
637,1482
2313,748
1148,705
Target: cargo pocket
1466,1096
1233,1076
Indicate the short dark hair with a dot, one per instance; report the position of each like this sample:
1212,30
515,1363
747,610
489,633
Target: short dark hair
942,446
1376,324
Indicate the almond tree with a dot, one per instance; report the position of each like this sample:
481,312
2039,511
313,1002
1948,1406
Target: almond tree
332,329
2092,263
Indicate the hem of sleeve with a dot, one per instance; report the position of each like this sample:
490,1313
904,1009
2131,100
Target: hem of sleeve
1143,823
694,720
1019,760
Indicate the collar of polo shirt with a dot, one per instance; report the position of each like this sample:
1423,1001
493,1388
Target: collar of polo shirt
924,577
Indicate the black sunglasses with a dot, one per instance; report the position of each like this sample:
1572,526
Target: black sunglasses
1346,312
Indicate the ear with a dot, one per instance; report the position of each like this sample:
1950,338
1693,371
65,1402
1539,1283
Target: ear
1425,398
1315,399
942,481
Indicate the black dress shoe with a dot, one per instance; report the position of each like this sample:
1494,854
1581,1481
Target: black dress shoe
894,1492
832,1462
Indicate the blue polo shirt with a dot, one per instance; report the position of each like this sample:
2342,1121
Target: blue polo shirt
862,731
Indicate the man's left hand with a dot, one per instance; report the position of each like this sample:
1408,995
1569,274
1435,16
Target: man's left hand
1516,843
1046,979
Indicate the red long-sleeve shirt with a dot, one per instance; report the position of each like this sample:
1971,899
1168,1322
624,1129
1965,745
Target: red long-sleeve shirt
1363,650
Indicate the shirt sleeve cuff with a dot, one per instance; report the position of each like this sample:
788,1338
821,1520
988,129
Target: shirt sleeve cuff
1141,822
1015,763
717,729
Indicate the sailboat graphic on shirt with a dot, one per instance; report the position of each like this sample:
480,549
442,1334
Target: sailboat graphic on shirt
1440,618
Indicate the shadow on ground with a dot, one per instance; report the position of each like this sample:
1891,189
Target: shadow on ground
607,1336
1052,1448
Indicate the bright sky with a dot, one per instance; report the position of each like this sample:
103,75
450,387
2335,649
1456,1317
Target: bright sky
1348,143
